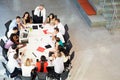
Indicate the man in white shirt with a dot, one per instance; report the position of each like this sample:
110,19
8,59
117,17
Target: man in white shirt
40,11
14,30
58,34
58,65
11,52
13,66
60,26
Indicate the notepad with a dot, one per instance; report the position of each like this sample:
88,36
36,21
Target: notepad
40,49
45,31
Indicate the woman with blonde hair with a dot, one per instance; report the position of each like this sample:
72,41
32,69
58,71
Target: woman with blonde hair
27,67
27,62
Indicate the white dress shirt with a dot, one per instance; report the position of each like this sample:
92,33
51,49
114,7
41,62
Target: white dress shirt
61,37
61,28
12,63
26,70
11,53
10,32
43,13
58,65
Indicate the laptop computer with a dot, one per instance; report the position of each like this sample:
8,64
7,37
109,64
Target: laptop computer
24,41
25,35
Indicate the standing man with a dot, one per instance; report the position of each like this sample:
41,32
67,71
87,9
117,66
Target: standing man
39,14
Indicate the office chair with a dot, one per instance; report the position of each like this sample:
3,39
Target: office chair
7,27
66,27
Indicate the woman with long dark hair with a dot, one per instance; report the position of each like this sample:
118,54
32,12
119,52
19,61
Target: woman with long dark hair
26,18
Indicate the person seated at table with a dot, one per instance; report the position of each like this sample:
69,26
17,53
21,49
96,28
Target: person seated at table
12,40
27,67
26,19
13,67
49,18
42,65
11,51
40,14
58,42
14,30
57,34
60,26
16,22
58,63
65,55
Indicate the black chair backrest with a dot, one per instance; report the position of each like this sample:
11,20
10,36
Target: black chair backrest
4,65
66,36
50,69
25,78
64,75
32,13
68,46
7,27
7,24
18,78
41,75
4,54
7,72
2,43
72,56
33,16
6,34
66,27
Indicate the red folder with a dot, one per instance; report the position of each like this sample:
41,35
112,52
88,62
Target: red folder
45,31
41,49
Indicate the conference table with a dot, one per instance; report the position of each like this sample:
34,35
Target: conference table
38,42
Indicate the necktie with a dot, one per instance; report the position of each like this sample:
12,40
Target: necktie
40,14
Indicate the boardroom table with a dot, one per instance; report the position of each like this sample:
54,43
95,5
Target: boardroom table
38,42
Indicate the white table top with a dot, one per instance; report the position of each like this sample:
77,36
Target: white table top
36,38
